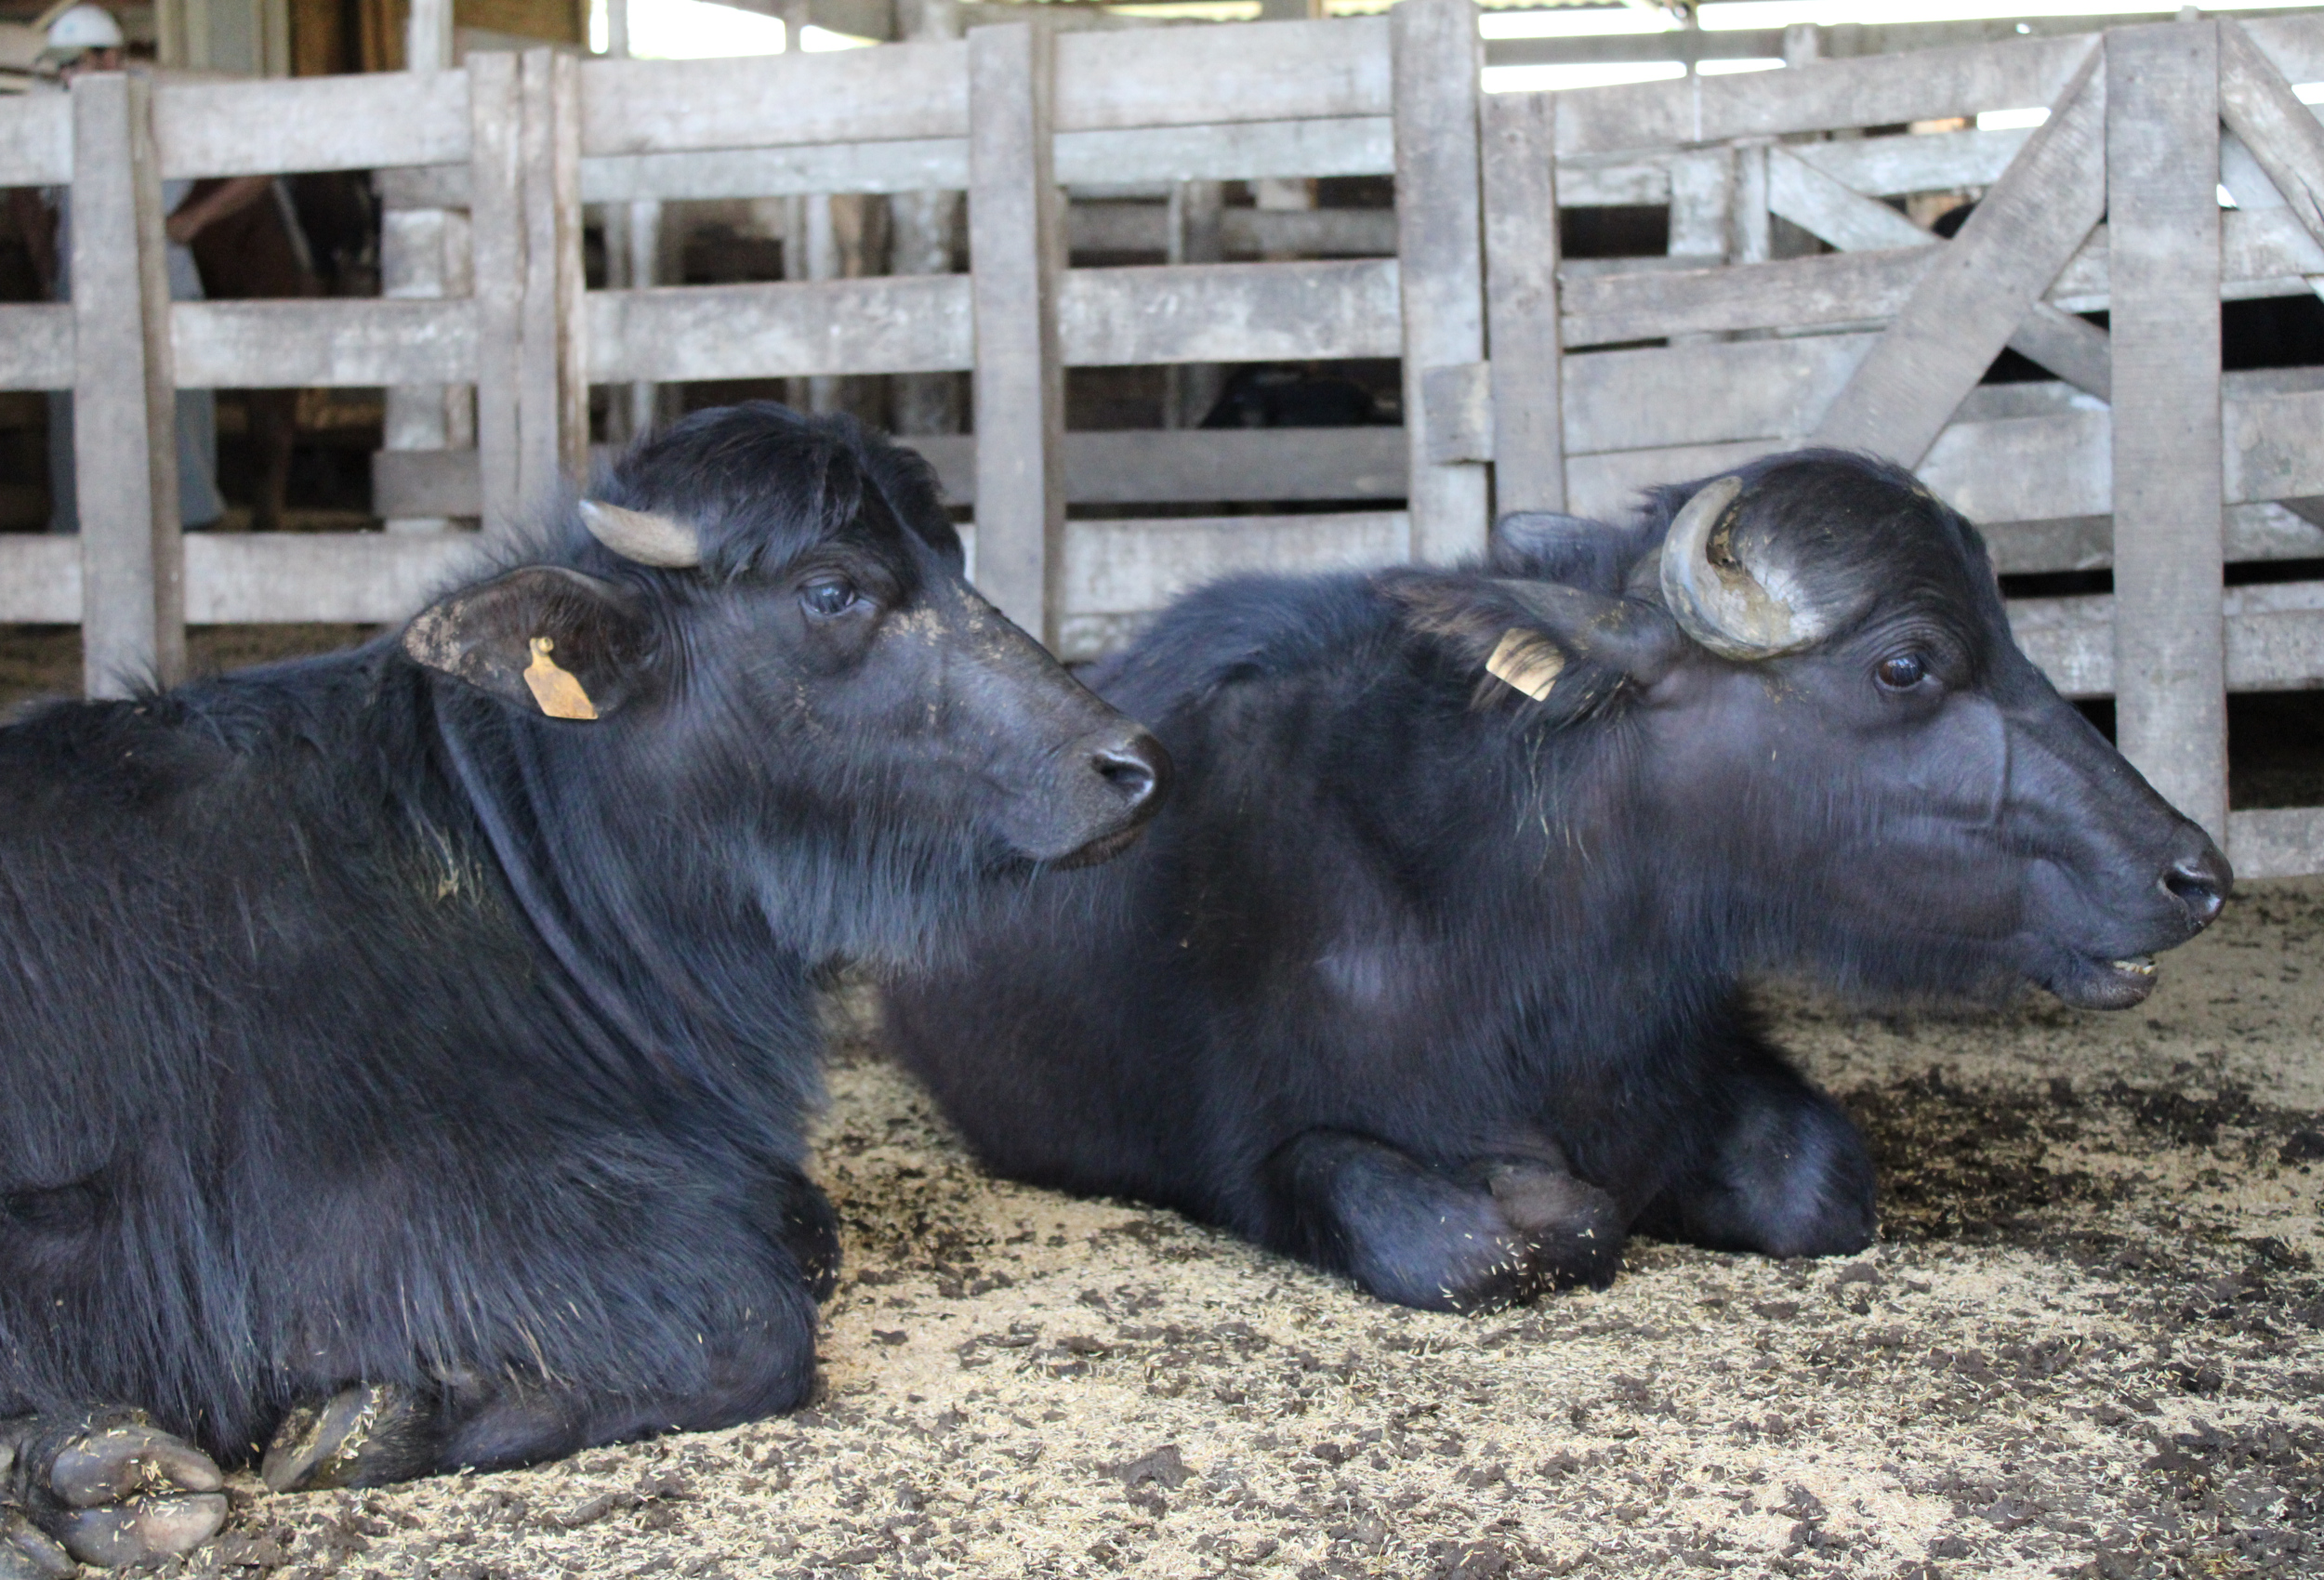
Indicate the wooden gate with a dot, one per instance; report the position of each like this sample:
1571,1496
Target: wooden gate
2140,455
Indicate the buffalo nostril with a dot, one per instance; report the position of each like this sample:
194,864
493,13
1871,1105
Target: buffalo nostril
1136,769
2199,884
1130,776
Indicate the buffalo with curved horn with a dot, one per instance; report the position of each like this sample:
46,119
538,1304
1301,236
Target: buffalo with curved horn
1433,970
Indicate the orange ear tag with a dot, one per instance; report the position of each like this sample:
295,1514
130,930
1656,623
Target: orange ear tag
559,694
1530,663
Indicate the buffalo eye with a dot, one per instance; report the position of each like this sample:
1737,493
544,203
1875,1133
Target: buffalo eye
1903,672
829,595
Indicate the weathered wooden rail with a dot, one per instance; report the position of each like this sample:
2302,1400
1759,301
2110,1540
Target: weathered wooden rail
1604,374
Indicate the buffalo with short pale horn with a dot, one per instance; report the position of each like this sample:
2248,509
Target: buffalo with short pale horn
404,1053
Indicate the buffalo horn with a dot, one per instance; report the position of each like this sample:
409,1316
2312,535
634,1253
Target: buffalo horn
1714,594
642,536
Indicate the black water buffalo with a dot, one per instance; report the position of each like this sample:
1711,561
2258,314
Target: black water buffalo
1430,972
403,1053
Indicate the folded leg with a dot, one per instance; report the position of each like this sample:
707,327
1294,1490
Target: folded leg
752,1324
1786,1172
1499,1230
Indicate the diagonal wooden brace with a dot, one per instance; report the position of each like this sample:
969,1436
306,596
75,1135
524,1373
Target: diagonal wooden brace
1967,307
2282,133
2170,640
2072,347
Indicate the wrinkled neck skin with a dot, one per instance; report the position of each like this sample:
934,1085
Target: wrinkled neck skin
1613,922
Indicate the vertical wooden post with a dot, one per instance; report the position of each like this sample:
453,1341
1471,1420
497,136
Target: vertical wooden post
414,253
633,240
411,257
1197,234
1753,241
1702,215
1197,217
428,36
2170,644
797,392
633,247
1520,260
552,394
1019,383
572,269
1439,249
1702,202
175,23
614,219
125,402
459,281
496,241
823,263
925,226
926,223
645,254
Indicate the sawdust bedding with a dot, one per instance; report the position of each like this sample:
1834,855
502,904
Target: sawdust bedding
2091,1343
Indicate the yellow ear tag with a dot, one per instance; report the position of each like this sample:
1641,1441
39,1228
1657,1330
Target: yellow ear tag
559,694
1530,663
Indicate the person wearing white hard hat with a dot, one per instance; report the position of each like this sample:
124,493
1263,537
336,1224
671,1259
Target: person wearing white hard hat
87,38
83,28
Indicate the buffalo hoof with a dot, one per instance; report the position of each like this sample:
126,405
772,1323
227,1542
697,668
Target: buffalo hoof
1571,1230
364,1436
1499,1231
27,1552
106,1486
1528,1231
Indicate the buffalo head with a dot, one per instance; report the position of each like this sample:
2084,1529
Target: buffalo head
1837,743
755,639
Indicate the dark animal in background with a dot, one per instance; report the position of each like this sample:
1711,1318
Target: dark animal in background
1431,972
337,221
257,254
1292,396
403,1052
314,234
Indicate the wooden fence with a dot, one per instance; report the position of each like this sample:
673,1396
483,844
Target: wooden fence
2140,456
1605,374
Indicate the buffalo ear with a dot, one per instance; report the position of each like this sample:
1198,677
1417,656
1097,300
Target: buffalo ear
1529,635
544,639
1545,547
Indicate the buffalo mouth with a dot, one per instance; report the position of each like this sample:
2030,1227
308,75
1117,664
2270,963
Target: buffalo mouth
2088,982
1104,847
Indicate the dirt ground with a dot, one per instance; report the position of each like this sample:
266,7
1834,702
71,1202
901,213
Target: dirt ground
2090,1343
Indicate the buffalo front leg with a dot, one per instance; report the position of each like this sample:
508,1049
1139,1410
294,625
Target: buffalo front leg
1783,1171
746,1322
1496,1230
364,1436
103,1486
